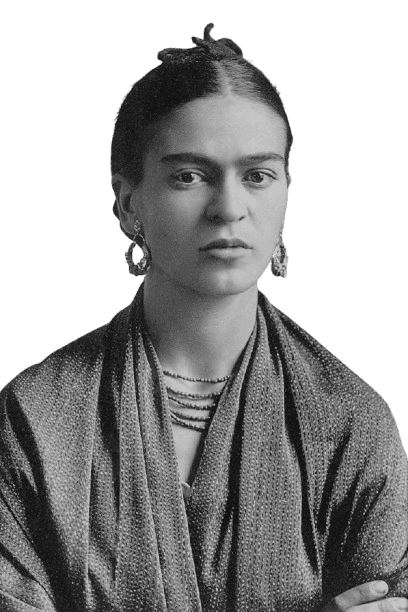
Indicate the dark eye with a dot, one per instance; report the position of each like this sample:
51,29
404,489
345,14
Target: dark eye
257,177
188,177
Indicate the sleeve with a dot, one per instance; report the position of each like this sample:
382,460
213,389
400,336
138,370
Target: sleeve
24,584
19,593
377,546
368,536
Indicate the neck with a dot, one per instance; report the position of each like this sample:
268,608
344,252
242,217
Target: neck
196,335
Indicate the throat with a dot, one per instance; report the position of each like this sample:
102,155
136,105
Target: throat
197,335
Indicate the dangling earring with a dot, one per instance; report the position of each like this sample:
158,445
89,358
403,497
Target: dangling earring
279,261
144,264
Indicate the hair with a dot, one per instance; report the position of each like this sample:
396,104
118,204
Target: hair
213,67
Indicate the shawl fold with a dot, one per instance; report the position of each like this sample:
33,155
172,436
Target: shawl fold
300,493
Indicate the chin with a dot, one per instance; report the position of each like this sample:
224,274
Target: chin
227,283
207,282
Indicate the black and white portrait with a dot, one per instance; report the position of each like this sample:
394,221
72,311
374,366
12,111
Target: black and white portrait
224,428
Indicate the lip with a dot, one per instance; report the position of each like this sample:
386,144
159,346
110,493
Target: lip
223,243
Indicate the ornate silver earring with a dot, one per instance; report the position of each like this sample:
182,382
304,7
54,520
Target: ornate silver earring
142,266
279,261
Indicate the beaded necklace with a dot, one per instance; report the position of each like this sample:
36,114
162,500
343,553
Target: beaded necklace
203,380
182,402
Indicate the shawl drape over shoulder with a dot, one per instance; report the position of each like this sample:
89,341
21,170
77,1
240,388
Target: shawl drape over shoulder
300,494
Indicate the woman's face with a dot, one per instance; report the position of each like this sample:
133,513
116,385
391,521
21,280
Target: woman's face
213,196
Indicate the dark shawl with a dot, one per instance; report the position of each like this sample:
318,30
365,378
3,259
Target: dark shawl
301,492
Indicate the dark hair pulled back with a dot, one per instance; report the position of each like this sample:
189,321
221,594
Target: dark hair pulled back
211,67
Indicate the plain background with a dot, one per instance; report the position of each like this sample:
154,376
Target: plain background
341,70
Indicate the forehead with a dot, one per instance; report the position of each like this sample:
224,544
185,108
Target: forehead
221,127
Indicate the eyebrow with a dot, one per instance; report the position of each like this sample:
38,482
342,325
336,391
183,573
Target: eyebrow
246,160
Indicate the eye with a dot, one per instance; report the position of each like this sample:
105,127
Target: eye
187,177
259,177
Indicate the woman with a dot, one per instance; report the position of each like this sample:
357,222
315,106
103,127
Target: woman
201,451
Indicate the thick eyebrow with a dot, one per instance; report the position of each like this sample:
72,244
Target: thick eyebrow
194,158
259,158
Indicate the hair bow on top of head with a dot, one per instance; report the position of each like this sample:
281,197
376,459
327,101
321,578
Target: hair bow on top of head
216,49
225,47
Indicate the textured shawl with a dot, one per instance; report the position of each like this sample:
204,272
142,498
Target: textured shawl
300,493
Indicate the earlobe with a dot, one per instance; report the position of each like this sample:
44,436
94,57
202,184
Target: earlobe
126,201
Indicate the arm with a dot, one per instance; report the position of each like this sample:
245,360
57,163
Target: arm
24,584
26,594
22,587
377,542
368,535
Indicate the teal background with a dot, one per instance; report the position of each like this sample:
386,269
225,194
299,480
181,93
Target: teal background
341,70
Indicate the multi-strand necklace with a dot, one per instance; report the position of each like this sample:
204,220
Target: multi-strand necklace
188,407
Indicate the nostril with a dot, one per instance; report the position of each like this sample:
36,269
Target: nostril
223,211
216,219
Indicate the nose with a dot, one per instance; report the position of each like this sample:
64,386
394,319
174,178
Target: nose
228,202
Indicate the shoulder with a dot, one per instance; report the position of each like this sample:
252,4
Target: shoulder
343,404
73,370
67,365
344,430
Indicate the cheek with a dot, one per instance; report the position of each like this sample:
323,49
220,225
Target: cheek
269,226
272,215
154,217
166,230
159,234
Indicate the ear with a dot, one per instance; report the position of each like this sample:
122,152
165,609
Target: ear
127,201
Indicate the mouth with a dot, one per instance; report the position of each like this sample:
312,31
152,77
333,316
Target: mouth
234,243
